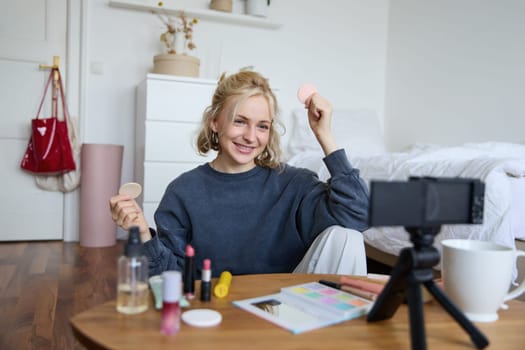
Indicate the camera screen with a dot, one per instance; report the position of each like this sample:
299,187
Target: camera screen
426,202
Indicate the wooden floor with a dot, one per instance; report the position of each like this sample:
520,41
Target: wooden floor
43,284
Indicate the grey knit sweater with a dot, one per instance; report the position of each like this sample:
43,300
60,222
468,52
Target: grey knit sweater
259,221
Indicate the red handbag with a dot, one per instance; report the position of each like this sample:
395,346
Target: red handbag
49,150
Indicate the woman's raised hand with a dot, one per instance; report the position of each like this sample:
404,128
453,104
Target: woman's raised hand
320,119
319,116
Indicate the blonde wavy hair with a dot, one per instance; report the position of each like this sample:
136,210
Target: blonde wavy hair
238,88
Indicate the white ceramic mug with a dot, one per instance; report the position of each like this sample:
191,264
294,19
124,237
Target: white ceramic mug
477,276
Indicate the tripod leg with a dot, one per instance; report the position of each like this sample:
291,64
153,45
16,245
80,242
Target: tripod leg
394,292
475,334
415,311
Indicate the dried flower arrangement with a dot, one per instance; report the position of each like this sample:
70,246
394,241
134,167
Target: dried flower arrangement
175,25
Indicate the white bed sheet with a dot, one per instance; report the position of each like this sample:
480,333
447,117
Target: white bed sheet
501,166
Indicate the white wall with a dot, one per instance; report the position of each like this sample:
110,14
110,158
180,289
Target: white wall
445,72
455,72
339,45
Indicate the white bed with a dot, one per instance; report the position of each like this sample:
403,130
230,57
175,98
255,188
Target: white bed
501,166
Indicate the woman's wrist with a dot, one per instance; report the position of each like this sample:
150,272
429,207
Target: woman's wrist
327,143
145,235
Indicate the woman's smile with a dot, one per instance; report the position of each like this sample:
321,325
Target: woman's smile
243,148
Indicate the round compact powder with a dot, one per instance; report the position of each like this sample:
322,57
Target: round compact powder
202,317
132,189
305,92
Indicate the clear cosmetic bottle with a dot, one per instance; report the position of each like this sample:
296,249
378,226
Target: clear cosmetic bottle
132,284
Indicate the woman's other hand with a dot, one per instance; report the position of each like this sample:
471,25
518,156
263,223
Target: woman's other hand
126,213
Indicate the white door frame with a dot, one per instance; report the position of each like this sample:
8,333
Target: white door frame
76,90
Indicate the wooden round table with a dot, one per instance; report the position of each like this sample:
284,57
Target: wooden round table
104,327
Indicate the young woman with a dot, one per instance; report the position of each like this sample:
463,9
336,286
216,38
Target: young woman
247,211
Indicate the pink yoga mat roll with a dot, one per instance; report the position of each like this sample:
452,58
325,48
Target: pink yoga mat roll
101,170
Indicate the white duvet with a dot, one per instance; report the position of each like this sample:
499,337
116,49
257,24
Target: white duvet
498,165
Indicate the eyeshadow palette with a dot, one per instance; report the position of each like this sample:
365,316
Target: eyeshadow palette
307,306
330,299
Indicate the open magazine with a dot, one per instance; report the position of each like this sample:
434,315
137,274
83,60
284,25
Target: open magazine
307,306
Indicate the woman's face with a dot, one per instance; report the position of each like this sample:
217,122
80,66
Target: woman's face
242,140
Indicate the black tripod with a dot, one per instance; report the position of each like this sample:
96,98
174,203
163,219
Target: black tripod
414,267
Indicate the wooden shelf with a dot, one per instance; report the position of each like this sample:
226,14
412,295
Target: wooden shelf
201,14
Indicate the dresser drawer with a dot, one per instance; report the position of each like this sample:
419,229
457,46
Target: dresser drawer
177,101
172,142
149,211
157,177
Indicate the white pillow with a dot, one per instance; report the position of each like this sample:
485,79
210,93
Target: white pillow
357,131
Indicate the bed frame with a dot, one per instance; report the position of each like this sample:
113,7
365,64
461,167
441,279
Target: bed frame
380,256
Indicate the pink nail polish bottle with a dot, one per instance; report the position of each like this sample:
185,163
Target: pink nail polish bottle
171,292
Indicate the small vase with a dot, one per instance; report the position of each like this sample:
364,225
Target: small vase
221,5
180,43
182,65
257,8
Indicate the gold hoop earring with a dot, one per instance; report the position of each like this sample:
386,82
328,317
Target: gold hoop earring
214,139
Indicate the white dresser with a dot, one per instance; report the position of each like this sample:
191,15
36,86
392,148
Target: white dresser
169,111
